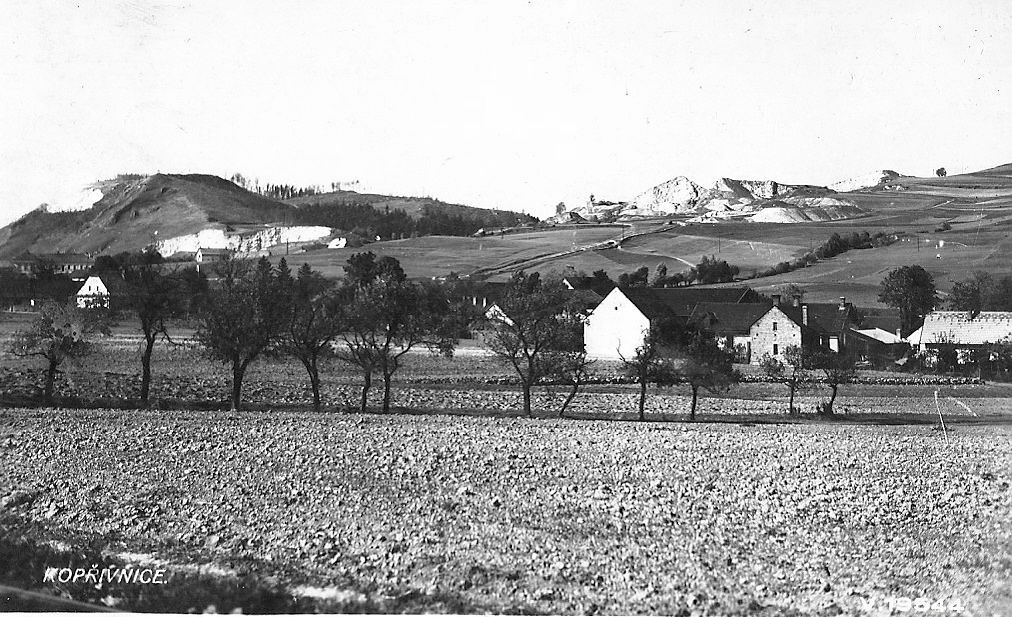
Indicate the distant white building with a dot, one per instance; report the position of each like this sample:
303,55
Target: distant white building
337,243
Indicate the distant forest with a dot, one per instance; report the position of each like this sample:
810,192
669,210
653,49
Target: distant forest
368,221
367,216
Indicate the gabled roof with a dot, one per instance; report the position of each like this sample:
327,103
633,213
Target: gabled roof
822,317
887,319
729,319
601,287
680,301
114,284
960,328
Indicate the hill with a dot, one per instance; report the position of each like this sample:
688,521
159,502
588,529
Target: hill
132,209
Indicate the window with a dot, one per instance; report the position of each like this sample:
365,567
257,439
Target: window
776,349
774,326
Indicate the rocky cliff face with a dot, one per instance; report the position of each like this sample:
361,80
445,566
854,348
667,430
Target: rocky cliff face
682,195
727,198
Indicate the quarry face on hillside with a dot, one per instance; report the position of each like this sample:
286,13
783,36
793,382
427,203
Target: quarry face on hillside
728,199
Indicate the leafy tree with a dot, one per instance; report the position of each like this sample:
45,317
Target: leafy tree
705,365
790,291
534,323
387,318
313,323
713,270
940,172
660,278
837,369
155,298
363,268
601,276
791,372
243,315
911,289
637,278
59,332
972,295
653,362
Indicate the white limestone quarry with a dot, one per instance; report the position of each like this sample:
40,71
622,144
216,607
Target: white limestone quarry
676,195
74,199
242,243
863,181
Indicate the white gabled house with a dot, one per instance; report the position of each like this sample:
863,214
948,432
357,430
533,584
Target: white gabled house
616,327
619,324
101,291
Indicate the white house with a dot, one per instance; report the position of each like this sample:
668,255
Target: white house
93,293
618,325
962,329
101,291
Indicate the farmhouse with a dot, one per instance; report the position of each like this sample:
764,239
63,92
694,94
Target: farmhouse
102,291
963,330
57,263
618,325
739,318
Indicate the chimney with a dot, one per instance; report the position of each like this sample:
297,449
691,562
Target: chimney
776,299
843,303
797,300
804,314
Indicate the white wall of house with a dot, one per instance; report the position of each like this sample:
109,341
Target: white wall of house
615,328
772,333
93,294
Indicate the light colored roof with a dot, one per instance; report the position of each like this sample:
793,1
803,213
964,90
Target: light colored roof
880,335
961,328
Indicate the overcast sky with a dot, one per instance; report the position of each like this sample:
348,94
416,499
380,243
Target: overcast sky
498,104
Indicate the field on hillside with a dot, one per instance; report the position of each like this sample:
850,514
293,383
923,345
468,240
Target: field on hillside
302,512
439,255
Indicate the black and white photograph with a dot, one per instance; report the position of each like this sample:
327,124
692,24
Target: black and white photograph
540,307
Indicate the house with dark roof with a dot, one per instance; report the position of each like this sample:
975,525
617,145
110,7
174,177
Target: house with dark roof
56,263
739,317
618,325
731,324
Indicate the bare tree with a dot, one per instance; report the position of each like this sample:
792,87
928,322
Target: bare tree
58,333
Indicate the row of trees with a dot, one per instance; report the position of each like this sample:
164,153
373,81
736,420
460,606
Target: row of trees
802,368
833,246
370,320
708,270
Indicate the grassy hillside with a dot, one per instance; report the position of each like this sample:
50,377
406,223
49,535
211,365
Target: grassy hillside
132,210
